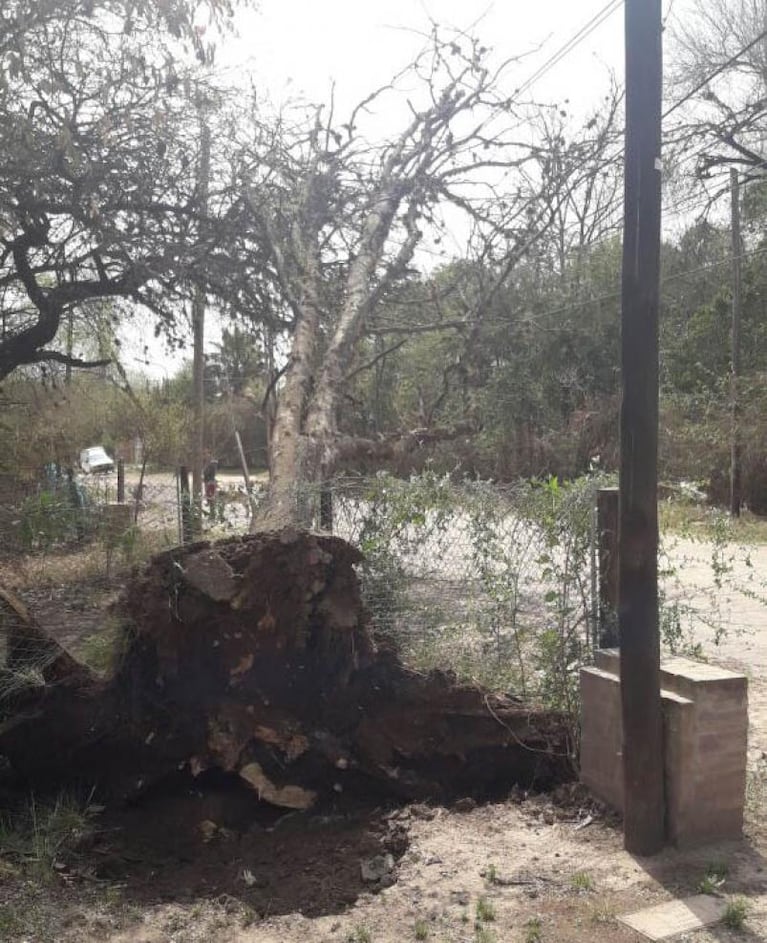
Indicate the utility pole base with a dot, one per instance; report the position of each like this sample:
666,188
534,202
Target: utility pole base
705,728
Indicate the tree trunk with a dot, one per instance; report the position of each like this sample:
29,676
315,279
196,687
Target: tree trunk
287,446
254,657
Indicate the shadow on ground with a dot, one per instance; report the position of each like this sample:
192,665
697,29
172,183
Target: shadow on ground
742,866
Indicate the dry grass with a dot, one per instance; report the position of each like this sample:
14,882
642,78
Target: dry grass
82,565
700,521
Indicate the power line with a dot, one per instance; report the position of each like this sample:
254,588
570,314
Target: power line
615,295
717,71
586,30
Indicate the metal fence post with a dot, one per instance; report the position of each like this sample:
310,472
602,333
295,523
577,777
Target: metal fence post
120,481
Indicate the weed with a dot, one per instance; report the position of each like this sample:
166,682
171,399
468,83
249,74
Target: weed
113,895
10,923
485,935
421,929
38,836
533,930
735,914
718,869
710,884
485,911
582,881
603,913
360,934
102,650
491,874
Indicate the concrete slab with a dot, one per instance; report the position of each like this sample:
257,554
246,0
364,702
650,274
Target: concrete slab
677,916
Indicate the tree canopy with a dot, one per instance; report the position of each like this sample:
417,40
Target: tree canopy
98,183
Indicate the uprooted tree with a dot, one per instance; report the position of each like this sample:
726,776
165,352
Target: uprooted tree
341,220
255,657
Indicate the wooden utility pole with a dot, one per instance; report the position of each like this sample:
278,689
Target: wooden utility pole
644,801
198,329
736,488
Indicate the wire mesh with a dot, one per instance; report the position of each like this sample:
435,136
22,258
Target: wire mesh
491,582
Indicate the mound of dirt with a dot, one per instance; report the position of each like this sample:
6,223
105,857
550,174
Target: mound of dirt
254,657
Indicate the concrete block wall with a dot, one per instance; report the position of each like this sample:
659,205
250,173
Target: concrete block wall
705,725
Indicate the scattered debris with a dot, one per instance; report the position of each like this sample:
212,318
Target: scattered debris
376,868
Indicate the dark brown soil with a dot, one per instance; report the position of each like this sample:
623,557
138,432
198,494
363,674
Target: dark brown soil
193,843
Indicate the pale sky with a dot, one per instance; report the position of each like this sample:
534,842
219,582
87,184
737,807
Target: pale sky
297,48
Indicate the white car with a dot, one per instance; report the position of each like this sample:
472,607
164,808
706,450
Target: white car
96,459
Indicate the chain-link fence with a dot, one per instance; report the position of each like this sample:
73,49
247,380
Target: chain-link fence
487,580
496,582
53,509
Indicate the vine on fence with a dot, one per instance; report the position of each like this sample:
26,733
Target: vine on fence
491,581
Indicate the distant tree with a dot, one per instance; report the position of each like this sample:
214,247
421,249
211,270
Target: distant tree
718,67
237,363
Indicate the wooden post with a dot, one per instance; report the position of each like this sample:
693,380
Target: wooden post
185,502
243,460
198,328
120,481
326,507
736,486
245,473
608,504
644,801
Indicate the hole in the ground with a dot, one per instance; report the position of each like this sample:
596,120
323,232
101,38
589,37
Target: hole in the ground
211,836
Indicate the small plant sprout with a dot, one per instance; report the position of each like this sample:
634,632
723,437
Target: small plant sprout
718,869
485,911
582,881
710,884
533,929
421,929
735,914
713,881
360,934
491,874
603,913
